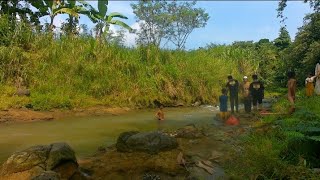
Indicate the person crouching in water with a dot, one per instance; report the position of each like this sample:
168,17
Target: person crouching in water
223,99
257,92
160,117
245,85
233,87
309,85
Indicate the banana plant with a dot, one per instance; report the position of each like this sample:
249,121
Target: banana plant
103,20
52,8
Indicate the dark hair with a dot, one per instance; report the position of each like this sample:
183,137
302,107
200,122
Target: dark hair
310,74
229,77
291,74
224,91
254,76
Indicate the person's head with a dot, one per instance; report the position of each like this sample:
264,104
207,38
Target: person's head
310,75
161,107
255,77
291,74
224,91
245,78
230,77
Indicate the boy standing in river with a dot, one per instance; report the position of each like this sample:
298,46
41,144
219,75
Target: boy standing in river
160,114
223,99
160,117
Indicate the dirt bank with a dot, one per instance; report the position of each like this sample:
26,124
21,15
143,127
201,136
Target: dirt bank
27,115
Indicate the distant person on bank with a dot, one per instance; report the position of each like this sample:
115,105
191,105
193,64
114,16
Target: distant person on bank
233,88
245,86
257,92
309,85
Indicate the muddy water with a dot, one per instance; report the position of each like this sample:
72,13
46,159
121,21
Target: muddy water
86,134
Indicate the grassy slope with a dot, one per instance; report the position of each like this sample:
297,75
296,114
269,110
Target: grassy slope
79,72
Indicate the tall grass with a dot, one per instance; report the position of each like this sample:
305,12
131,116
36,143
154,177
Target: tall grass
79,71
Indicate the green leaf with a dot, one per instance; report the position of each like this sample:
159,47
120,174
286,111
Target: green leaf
49,3
66,11
120,23
115,14
72,2
102,7
315,138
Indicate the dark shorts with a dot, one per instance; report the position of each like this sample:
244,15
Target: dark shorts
256,100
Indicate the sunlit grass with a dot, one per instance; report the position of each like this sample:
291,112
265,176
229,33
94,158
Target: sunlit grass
79,72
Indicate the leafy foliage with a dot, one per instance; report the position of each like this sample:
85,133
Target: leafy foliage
168,21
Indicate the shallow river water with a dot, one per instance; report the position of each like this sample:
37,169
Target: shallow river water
86,134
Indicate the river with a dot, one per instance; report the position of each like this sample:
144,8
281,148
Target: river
86,134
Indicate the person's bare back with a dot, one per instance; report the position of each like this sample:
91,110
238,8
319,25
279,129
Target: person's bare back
160,114
292,84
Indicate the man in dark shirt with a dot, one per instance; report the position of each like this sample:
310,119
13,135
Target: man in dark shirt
257,92
233,87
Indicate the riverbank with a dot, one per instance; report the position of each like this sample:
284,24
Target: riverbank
27,115
282,146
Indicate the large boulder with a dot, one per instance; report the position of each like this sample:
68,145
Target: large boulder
38,161
150,142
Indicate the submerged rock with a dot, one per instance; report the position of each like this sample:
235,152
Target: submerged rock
47,175
190,132
150,142
38,161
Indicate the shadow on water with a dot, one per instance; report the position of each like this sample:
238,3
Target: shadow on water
86,134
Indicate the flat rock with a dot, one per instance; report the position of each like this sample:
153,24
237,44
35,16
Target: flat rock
150,142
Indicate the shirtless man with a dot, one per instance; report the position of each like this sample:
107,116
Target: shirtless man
160,114
292,83
160,118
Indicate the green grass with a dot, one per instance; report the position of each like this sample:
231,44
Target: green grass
79,72
282,147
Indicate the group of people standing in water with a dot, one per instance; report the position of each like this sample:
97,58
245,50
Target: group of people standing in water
252,93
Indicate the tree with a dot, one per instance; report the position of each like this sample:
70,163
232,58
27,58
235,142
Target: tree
314,4
103,20
153,20
116,37
184,18
52,8
174,21
304,52
284,40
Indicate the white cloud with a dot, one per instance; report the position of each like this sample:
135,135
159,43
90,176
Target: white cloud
129,38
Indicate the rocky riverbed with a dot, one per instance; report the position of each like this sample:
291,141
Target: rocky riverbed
195,151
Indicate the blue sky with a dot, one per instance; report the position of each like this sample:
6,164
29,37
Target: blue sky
229,21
